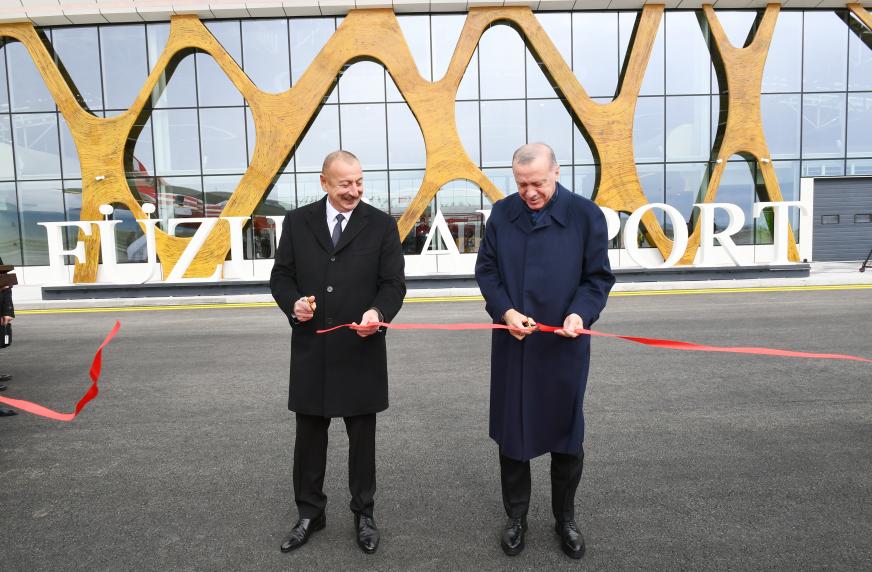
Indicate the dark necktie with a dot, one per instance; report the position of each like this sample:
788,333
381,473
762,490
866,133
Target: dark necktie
337,229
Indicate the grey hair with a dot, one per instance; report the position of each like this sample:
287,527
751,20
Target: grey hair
346,156
531,151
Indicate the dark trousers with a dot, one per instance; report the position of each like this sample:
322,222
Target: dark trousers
565,476
310,461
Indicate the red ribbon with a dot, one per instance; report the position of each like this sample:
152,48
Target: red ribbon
96,369
654,342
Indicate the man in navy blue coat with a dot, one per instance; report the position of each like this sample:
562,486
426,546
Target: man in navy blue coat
544,258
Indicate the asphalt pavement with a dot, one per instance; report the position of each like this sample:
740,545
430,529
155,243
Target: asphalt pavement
694,461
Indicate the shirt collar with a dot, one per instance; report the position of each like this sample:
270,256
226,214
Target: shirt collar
332,212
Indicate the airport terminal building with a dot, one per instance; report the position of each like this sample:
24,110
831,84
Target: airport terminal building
189,130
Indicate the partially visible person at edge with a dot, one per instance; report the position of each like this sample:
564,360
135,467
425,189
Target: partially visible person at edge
339,261
7,314
544,257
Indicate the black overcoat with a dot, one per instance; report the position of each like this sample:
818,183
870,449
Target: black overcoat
338,374
557,268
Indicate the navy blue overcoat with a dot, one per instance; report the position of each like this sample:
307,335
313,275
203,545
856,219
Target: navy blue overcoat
557,268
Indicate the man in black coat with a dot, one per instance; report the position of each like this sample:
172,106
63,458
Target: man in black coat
339,261
7,314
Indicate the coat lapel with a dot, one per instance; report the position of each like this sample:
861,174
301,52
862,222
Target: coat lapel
356,223
317,221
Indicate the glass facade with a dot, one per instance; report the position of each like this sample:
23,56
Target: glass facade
192,145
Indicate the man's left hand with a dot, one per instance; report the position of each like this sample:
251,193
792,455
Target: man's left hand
6,320
368,324
571,325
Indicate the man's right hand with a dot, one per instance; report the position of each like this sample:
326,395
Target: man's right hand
521,325
304,308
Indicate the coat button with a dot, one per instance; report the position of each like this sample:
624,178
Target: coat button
329,289
332,259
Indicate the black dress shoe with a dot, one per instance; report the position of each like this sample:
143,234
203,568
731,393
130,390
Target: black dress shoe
2,387
7,412
571,539
367,533
512,539
301,532
5,377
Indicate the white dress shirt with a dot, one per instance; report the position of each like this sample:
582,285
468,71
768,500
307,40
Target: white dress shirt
331,217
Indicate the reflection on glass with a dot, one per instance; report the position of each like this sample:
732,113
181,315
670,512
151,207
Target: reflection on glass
405,141
72,209
321,139
363,133
738,187
687,128
859,124
222,132
416,32
825,47
684,184
787,173
363,82
595,52
265,54
823,125
217,191
585,180
648,129
859,56
781,124
652,83
549,122
176,86
404,187
143,189
125,67
737,25
783,70
375,189
139,152
830,168
7,166
10,237
69,155
77,50
467,127
308,36
651,178
859,167
39,201
582,149
458,201
559,29
445,34
4,92
502,63
27,88
280,199
503,179
309,188
502,131
176,141
687,55
213,85
37,155
180,197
